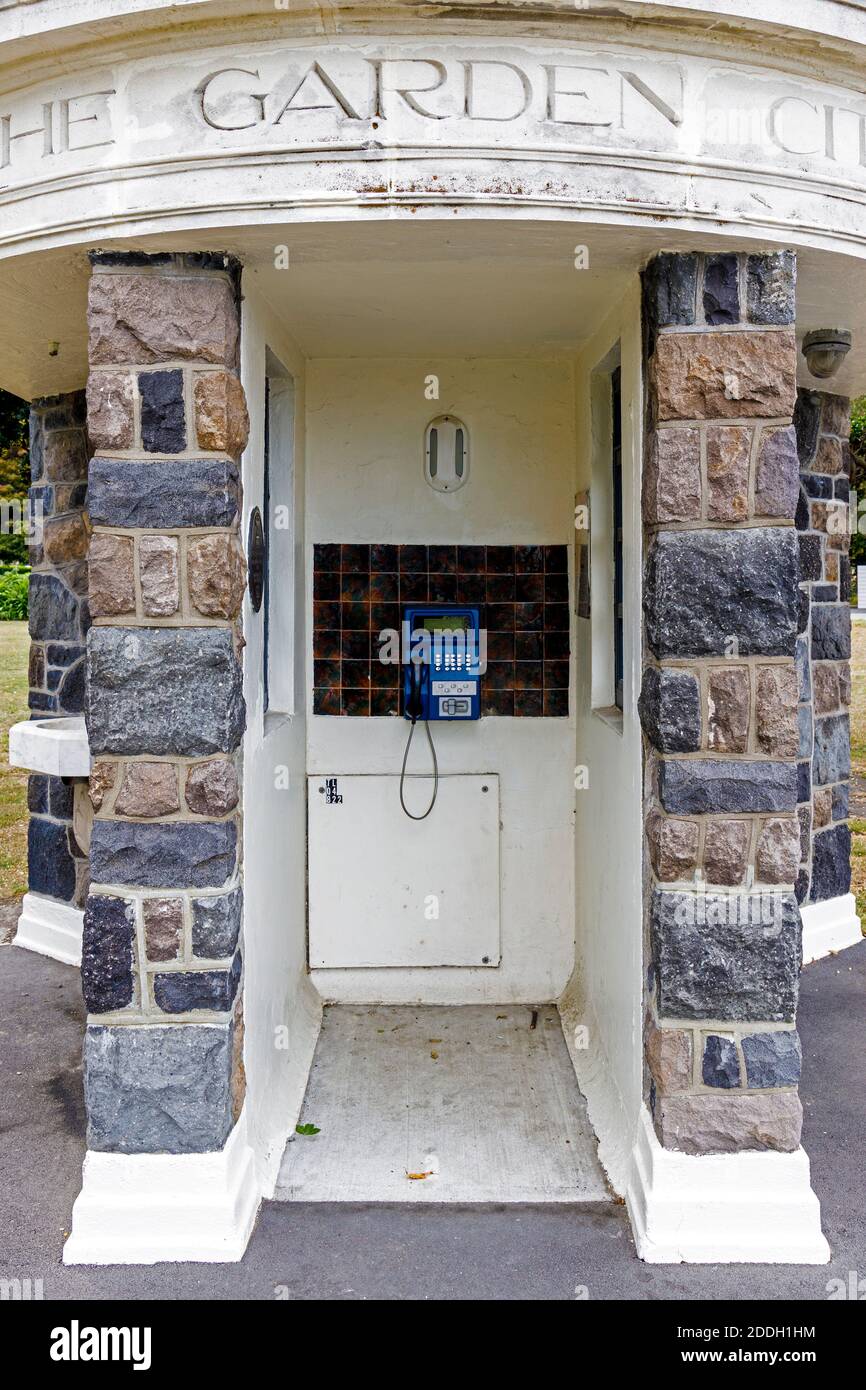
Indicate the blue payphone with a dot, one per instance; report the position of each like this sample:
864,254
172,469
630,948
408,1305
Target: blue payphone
441,675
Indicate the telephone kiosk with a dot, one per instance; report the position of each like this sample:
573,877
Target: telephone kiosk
442,675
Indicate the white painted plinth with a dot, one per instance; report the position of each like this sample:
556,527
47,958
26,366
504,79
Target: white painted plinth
146,1208
829,927
57,747
50,928
743,1208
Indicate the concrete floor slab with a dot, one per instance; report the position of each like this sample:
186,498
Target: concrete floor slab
439,1104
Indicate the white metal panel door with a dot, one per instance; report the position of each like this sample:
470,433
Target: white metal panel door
389,891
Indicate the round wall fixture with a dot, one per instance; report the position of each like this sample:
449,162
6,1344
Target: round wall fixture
446,453
256,559
825,349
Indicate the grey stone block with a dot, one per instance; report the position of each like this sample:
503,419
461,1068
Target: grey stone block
726,956
106,953
200,854
37,794
703,588
772,1059
831,864
811,558
694,786
72,692
60,798
163,424
670,710
804,728
37,442
63,653
845,580
721,290
160,1089
831,632
180,991
670,284
771,281
188,492
807,423
720,1065
164,691
42,496
55,612
816,485
840,801
216,924
42,703
50,865
831,760
62,411
804,669
804,816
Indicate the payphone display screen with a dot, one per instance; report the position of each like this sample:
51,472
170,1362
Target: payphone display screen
447,623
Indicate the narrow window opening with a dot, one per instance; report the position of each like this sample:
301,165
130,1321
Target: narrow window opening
616,489
266,587
280,507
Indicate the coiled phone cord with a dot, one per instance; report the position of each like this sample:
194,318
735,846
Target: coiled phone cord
409,813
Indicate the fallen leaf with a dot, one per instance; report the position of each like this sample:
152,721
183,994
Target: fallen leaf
435,1056
307,1129
416,1177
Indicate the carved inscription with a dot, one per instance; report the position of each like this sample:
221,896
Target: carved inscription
476,89
533,97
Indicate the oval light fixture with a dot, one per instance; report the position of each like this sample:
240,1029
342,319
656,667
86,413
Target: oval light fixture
446,453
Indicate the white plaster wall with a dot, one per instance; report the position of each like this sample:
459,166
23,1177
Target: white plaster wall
277,991
606,991
365,428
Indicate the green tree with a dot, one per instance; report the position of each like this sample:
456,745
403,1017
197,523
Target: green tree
14,470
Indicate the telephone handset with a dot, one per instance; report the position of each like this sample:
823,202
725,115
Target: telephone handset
414,695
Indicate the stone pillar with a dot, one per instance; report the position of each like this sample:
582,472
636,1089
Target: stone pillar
719,702
823,424
57,862
161,963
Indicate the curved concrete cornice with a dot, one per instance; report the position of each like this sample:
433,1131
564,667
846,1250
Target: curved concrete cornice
839,26
312,124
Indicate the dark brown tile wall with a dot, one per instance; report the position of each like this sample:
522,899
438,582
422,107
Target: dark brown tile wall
522,594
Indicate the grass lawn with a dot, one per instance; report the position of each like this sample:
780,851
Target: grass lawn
14,649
